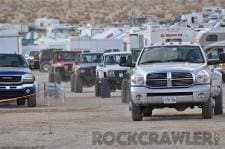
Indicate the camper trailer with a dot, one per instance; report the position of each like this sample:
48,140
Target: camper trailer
164,35
208,37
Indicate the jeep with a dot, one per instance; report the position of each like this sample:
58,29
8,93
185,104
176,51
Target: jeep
62,65
175,75
109,74
85,71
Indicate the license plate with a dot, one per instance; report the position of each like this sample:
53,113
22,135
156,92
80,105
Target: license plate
169,100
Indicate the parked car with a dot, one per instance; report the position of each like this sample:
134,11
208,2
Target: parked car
175,75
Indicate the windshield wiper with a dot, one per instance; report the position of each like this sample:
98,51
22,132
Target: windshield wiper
181,60
153,61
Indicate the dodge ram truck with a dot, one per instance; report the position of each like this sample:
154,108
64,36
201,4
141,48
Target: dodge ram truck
175,75
16,80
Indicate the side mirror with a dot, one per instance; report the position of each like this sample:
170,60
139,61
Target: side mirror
217,61
124,62
222,58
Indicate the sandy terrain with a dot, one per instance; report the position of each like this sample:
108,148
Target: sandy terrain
71,124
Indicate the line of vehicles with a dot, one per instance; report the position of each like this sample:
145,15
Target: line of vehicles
176,75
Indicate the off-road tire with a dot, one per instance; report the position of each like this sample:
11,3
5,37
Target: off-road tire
31,101
43,65
78,84
72,82
136,112
218,110
105,88
207,109
147,112
97,87
125,87
21,102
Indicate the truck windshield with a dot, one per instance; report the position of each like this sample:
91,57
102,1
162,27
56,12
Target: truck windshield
90,58
66,56
7,60
114,59
191,54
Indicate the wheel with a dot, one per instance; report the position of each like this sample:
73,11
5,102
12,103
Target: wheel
78,84
147,112
223,77
21,102
125,89
105,88
72,82
51,77
44,66
97,87
136,112
31,102
207,109
218,110
57,78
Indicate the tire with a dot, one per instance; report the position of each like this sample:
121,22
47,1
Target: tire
105,88
218,110
44,66
136,112
57,78
125,91
21,102
78,84
147,112
51,77
72,82
31,102
223,77
207,109
97,87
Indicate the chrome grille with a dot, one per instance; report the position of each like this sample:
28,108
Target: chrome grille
169,79
7,79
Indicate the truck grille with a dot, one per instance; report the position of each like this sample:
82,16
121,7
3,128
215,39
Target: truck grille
170,79
10,79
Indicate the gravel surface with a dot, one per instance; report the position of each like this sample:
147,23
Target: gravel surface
72,124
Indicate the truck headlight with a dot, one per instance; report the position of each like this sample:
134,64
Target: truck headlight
111,74
137,79
202,77
28,78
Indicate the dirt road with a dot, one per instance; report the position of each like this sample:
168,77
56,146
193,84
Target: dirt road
80,121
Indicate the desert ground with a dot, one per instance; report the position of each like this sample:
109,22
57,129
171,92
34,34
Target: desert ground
72,123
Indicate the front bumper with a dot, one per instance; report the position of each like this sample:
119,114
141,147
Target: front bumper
194,95
14,91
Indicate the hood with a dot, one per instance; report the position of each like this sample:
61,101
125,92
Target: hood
170,67
116,67
64,63
87,65
14,71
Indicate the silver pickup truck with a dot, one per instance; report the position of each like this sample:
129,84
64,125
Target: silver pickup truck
175,75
